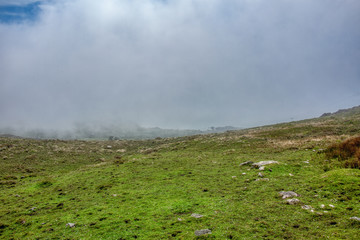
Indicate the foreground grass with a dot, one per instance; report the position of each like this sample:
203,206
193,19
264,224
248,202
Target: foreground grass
149,189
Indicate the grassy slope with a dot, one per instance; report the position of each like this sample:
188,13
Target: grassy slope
150,191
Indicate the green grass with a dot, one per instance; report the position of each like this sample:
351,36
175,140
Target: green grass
150,190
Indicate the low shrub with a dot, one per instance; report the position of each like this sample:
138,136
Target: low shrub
348,152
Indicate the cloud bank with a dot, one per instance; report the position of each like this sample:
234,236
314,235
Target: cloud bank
180,63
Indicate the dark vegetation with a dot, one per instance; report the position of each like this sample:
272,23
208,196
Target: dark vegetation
347,152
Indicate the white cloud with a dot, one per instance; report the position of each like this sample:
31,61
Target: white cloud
180,63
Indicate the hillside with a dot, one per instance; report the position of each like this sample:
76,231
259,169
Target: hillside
171,188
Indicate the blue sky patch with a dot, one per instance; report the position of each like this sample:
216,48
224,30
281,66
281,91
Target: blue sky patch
19,13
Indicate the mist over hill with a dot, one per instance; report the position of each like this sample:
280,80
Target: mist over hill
102,131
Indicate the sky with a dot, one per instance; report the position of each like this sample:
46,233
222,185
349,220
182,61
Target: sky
184,64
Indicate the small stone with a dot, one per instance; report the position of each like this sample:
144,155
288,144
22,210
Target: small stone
244,173
260,174
322,206
288,194
71,225
262,168
355,218
114,195
306,161
307,207
33,209
291,175
262,179
17,195
293,201
109,147
179,219
233,176
121,150
195,215
202,232
332,206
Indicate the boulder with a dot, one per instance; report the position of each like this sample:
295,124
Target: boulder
263,163
246,163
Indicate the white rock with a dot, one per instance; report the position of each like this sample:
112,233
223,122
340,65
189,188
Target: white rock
293,201
307,207
263,163
291,175
322,206
70,225
262,179
288,194
355,218
195,215
332,206
233,176
262,168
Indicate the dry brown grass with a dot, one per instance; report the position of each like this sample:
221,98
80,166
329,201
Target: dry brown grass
347,151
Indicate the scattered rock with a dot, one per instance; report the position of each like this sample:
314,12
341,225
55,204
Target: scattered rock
244,173
306,161
260,174
202,232
288,194
17,195
71,225
355,218
179,219
121,150
263,163
114,195
195,215
33,209
262,179
322,206
307,207
109,147
233,176
262,168
332,206
293,201
291,175
246,163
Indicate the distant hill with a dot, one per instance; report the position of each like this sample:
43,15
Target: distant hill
342,112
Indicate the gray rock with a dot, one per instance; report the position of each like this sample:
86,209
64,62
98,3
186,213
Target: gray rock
307,207
288,194
263,163
202,232
355,218
195,215
246,163
262,168
293,201
262,179
260,174
71,225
